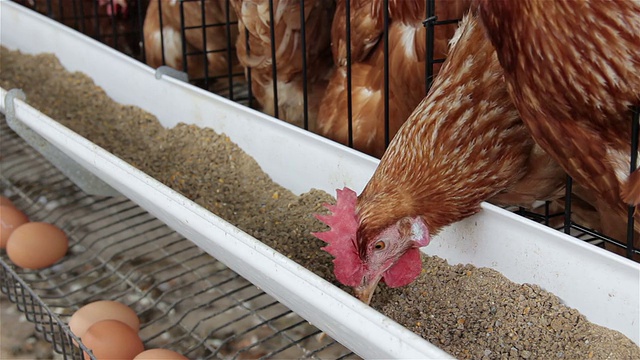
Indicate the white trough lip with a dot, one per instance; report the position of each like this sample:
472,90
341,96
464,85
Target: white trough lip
603,286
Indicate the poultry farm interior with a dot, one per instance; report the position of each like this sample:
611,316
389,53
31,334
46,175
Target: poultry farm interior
352,82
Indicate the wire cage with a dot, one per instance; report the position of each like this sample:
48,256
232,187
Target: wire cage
220,48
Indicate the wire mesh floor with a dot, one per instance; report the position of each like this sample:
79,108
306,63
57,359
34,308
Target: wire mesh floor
186,300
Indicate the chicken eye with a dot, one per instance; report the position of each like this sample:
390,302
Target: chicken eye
380,245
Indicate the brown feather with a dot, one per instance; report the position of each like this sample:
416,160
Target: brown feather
216,37
630,191
254,17
407,54
544,180
573,72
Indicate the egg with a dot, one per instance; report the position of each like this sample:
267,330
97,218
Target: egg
96,311
159,354
37,245
10,219
112,339
6,201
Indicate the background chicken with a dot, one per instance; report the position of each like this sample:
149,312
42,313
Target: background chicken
573,72
407,57
463,144
254,19
220,58
115,6
112,22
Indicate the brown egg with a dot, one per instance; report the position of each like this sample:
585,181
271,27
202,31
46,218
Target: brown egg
10,219
96,311
112,339
4,201
159,354
37,245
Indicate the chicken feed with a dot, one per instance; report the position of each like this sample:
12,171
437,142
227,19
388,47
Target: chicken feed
467,311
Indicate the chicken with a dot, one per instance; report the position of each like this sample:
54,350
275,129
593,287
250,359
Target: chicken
254,18
573,71
407,56
219,37
366,28
463,144
367,96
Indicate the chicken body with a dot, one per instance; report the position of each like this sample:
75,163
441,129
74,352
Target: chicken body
254,18
463,144
216,43
407,56
367,96
573,72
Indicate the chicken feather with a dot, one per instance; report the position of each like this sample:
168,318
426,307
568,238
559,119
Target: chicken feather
217,60
573,71
366,29
407,56
254,17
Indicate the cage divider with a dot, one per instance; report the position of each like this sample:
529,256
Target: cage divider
185,58
274,67
305,94
349,79
635,118
162,49
114,26
429,23
385,34
143,54
248,69
227,9
567,205
205,48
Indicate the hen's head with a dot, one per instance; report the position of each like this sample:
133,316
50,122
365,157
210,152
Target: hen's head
392,255
115,7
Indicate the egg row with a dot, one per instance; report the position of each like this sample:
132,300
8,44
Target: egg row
110,330
29,245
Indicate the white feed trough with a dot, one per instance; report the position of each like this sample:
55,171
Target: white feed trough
601,285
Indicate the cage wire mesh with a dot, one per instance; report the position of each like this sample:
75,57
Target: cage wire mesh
120,30
186,300
209,32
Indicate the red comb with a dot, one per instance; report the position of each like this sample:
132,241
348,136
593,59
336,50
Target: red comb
343,222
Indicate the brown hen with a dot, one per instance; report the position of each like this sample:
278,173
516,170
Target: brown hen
463,144
254,18
216,45
407,56
573,72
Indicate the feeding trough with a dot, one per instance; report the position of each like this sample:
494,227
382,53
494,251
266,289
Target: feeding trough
602,286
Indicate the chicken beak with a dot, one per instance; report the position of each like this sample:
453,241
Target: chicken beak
365,291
